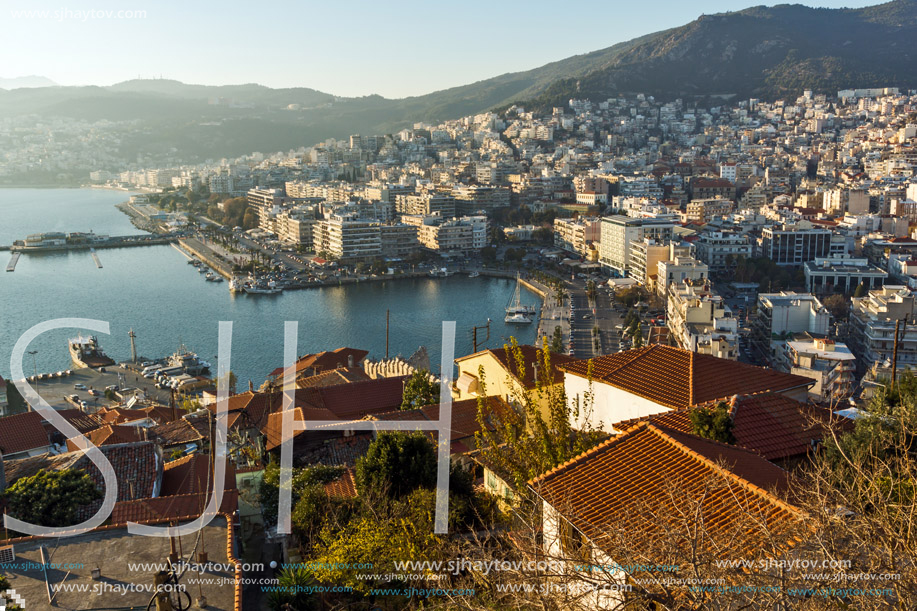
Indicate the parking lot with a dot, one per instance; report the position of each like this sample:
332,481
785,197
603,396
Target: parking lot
55,390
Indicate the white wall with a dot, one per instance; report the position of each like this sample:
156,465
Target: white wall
609,404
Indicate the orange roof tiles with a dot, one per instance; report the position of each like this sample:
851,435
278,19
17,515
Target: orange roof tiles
622,478
178,507
22,432
191,474
679,378
771,424
343,487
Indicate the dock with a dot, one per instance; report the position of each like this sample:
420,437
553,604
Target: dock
11,266
95,257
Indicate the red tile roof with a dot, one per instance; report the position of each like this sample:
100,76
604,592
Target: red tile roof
353,401
630,477
112,434
323,361
22,432
771,424
184,506
679,378
181,431
464,418
79,419
343,487
191,475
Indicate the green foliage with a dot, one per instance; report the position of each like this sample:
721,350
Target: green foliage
17,404
419,391
860,291
269,490
489,254
630,297
543,235
557,341
638,335
51,498
397,463
715,424
838,305
538,433
296,593
768,275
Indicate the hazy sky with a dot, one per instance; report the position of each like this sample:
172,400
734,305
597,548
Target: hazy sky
347,48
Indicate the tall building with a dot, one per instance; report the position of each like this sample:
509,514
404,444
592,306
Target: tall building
792,245
577,235
701,322
348,238
619,232
720,249
872,327
784,313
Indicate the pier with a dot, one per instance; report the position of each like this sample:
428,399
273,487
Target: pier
199,250
95,257
11,266
112,242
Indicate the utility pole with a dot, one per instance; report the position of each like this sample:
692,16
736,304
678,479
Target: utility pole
474,335
895,351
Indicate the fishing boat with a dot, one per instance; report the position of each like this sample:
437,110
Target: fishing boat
85,353
516,312
474,274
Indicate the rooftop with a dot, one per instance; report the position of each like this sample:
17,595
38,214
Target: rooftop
679,378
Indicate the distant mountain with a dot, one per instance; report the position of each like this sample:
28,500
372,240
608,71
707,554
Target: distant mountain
761,52
26,81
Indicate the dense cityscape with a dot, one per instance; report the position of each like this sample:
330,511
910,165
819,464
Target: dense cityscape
715,408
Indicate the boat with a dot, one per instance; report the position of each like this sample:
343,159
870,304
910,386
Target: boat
202,270
188,361
235,285
516,312
85,353
261,290
440,273
474,274
192,261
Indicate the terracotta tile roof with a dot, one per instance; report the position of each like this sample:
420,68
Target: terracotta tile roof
530,356
112,434
137,467
22,432
464,419
322,361
622,478
79,419
191,475
353,401
339,452
343,487
342,375
679,378
771,424
181,431
184,506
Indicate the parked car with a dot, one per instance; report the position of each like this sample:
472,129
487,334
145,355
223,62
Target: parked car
79,386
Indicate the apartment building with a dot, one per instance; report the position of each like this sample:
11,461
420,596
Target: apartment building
348,238
398,240
872,327
785,313
619,232
577,235
831,364
425,204
701,322
457,235
470,199
788,244
718,248
677,270
705,210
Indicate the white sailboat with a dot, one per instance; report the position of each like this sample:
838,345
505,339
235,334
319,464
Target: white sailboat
516,313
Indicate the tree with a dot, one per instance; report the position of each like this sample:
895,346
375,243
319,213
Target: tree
557,341
397,463
489,254
860,291
51,498
543,235
715,424
232,381
419,390
538,433
17,403
837,305
638,335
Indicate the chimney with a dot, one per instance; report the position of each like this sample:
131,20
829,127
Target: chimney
350,361
251,386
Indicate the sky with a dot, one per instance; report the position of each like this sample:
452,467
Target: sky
394,48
